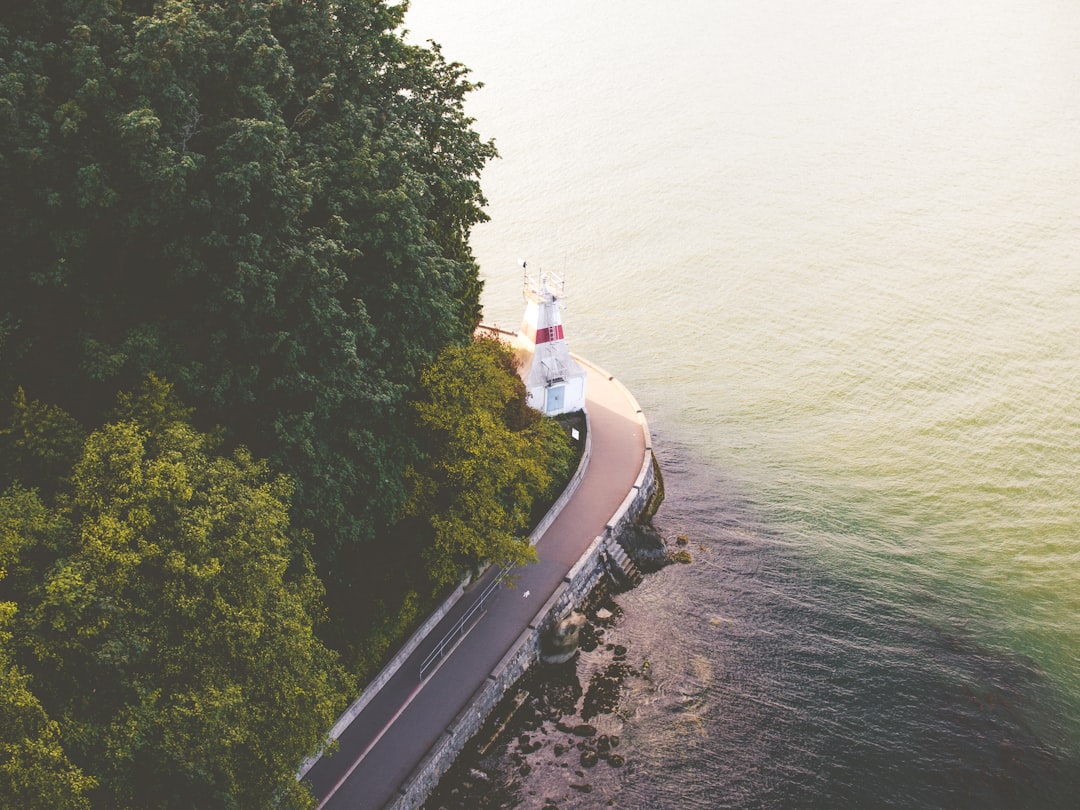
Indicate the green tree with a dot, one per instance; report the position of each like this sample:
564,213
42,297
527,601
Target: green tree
490,459
173,637
35,772
266,201
39,445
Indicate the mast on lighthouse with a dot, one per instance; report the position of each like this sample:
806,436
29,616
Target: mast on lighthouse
553,379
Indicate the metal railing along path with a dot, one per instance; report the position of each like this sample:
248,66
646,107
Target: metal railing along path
461,626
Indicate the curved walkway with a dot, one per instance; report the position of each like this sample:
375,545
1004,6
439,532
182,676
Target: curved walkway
394,731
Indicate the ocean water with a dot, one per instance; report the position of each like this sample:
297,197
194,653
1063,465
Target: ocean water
834,250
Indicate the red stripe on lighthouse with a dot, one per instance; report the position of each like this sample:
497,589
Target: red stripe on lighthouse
549,333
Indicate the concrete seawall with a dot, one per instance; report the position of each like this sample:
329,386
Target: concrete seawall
394,664
577,584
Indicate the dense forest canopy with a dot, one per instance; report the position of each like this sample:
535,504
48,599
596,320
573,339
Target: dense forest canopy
266,202
246,435
167,613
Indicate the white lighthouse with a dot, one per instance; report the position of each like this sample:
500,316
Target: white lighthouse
554,381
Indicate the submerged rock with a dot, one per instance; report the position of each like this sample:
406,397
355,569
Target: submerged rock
561,644
558,728
645,546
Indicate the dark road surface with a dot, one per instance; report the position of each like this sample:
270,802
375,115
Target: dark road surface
394,732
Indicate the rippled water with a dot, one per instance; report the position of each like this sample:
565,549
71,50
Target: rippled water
834,249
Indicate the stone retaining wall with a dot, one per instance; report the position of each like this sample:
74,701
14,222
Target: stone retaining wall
513,665
395,663
578,583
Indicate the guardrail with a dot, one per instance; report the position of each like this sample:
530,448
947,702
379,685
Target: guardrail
459,630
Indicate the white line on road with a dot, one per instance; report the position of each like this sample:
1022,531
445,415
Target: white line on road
397,714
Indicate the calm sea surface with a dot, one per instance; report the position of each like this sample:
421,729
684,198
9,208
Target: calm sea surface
834,250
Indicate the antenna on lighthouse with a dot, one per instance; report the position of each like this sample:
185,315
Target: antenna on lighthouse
541,286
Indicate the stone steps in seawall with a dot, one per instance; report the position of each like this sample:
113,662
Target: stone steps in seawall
624,568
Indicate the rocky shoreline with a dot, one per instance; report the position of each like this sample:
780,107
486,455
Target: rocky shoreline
554,740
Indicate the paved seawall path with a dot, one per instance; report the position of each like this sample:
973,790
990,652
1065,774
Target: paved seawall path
395,729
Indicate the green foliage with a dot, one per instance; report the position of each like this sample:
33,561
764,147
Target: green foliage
384,629
173,635
35,772
484,471
38,445
267,202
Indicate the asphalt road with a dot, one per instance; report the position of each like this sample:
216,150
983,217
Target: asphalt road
395,731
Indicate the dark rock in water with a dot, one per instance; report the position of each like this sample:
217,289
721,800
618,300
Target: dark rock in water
557,690
589,638
645,547
604,688
605,610
552,711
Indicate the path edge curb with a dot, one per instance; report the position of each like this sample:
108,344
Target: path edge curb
424,630
415,789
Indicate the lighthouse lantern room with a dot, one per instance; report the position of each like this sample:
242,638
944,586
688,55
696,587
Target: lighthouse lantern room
555,382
